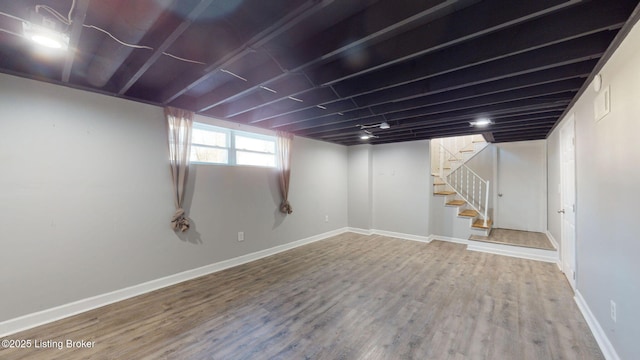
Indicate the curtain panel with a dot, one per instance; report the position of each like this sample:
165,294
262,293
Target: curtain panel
283,142
179,125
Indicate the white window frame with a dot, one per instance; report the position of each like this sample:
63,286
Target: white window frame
231,142
211,128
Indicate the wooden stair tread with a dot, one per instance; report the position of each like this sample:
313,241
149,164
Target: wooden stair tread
479,224
444,193
468,213
456,203
436,184
464,151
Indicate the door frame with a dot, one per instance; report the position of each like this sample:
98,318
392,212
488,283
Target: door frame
568,130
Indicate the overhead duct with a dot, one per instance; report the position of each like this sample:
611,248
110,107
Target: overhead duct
134,21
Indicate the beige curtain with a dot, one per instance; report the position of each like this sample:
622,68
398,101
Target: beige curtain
179,124
284,166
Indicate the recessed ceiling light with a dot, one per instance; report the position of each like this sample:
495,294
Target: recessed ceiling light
384,125
365,137
481,122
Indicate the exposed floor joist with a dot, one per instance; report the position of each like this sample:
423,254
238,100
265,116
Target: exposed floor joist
318,68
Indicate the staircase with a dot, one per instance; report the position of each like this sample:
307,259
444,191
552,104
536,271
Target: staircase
460,186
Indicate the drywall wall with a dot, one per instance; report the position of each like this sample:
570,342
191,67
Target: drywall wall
522,181
401,187
85,198
554,201
607,178
445,222
360,187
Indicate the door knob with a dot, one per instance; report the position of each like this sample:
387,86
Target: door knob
561,211
499,195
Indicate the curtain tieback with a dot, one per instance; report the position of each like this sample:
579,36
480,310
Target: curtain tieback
179,221
285,207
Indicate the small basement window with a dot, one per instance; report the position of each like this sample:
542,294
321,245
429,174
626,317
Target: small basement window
217,145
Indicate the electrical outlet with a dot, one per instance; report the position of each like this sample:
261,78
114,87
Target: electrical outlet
326,218
241,236
613,311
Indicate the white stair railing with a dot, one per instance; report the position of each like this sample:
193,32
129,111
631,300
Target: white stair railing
466,183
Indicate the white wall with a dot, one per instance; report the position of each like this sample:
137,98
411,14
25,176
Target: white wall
608,177
522,179
85,198
361,187
554,202
402,188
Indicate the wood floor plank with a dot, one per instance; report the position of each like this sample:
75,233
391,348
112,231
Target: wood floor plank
529,239
348,297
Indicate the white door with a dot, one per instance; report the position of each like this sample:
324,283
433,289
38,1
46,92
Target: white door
522,186
568,200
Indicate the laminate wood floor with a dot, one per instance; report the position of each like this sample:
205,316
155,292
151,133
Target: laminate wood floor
347,297
529,239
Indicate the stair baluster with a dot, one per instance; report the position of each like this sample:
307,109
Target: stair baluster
465,182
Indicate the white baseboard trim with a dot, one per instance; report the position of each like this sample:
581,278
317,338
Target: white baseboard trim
28,321
553,240
419,238
449,239
360,231
513,251
555,244
424,239
598,332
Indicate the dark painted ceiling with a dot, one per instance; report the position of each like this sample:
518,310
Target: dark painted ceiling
320,68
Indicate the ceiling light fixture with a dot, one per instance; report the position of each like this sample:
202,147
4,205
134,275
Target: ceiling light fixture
367,135
384,125
46,34
481,122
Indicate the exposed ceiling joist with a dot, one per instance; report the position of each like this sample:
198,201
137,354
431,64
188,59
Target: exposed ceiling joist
319,68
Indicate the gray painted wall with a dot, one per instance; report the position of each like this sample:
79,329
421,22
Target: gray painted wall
554,202
402,189
522,179
85,198
608,177
361,187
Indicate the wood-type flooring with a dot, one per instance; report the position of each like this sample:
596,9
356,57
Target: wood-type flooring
536,240
347,297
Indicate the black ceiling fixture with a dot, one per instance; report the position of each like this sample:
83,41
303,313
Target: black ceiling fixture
324,68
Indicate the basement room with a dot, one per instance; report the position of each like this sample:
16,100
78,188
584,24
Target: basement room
319,179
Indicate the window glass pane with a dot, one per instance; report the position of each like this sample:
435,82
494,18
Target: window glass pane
253,144
209,155
256,159
208,137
